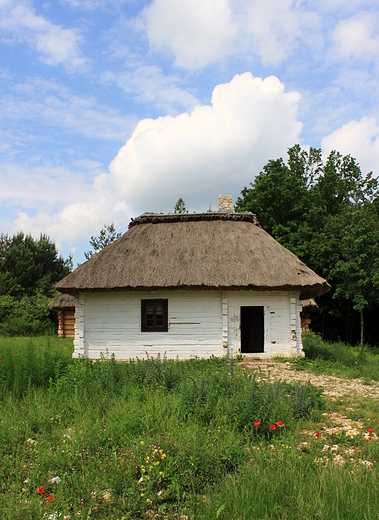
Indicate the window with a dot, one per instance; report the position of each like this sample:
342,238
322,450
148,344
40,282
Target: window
154,315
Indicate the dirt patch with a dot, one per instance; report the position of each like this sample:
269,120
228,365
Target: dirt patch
334,387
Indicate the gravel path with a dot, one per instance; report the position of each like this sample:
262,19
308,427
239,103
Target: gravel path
334,387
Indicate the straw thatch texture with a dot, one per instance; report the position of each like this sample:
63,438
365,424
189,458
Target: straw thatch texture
309,305
62,301
197,251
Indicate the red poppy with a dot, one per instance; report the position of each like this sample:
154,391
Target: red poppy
41,490
272,426
1,360
49,498
378,422
370,430
257,423
318,435
279,423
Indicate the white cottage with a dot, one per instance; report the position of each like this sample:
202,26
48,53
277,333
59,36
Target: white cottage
185,285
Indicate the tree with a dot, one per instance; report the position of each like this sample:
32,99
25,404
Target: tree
327,214
180,206
29,266
106,236
28,270
347,252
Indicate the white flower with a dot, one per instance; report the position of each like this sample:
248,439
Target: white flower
56,480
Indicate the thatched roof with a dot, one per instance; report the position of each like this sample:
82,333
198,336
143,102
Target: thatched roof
194,251
309,305
62,301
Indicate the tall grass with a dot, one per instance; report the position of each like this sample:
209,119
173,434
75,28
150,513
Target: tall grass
126,438
31,363
164,439
339,359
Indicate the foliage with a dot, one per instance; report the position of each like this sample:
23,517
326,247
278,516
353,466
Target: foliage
28,270
27,316
327,214
180,206
337,358
162,439
32,363
107,235
29,266
133,440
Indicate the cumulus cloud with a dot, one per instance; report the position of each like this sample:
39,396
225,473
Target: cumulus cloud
358,37
214,149
54,44
359,139
217,148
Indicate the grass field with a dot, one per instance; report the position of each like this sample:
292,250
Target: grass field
203,439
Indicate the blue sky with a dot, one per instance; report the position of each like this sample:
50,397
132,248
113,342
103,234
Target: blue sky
113,108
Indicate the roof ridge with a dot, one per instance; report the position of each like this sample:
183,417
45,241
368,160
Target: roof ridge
162,218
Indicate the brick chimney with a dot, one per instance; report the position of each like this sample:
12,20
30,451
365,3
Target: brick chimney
225,204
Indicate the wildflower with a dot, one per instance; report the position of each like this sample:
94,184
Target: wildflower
41,490
56,480
257,423
318,435
49,498
272,427
149,501
1,360
279,423
370,430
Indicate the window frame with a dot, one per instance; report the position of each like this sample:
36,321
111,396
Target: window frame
154,327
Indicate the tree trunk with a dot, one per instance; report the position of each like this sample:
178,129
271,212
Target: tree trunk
362,329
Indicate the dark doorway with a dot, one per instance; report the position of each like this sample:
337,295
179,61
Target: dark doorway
252,330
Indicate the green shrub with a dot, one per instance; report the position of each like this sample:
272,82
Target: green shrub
28,316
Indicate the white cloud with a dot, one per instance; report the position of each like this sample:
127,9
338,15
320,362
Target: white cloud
196,32
358,37
50,103
214,149
359,139
149,85
271,29
54,44
200,32
78,220
90,5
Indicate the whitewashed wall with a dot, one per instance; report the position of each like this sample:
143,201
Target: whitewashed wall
200,323
112,322
282,334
